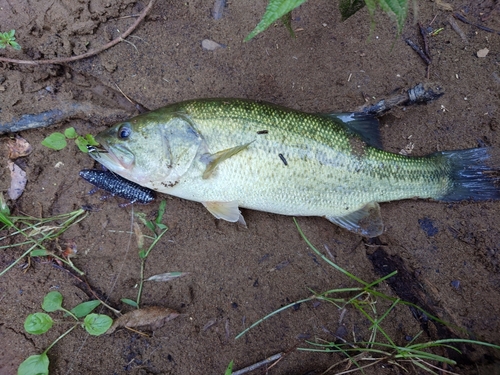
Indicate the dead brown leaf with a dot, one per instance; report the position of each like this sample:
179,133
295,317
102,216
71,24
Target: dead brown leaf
444,5
18,180
18,147
152,316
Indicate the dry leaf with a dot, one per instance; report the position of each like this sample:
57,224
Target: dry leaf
152,316
167,276
18,147
482,52
18,180
139,235
444,6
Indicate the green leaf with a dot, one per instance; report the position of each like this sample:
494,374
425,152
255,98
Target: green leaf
70,133
39,253
287,21
90,139
397,9
97,324
34,365
55,141
128,301
15,45
350,7
10,34
142,254
275,9
4,211
229,369
38,323
82,144
150,225
161,211
85,308
52,301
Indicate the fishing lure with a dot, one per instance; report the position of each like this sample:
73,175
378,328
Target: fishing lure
117,185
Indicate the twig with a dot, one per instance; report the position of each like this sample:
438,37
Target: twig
418,50
258,364
426,41
63,60
458,16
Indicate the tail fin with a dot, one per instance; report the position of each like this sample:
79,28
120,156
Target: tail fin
474,173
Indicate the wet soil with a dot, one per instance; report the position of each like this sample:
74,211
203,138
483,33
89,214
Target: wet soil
447,255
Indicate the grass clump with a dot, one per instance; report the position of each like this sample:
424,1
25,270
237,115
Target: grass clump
380,346
41,322
37,232
158,230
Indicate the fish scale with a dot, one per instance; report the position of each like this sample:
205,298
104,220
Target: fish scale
230,153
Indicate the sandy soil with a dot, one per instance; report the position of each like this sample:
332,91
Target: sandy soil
447,255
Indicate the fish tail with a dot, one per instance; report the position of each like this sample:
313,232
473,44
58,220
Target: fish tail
474,174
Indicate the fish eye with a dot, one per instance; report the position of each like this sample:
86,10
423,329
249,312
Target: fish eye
124,131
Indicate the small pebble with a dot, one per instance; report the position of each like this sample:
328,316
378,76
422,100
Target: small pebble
482,52
210,45
455,284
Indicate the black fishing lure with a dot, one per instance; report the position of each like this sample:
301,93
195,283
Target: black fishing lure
118,186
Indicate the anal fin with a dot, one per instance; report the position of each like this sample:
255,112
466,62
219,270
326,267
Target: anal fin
228,211
365,221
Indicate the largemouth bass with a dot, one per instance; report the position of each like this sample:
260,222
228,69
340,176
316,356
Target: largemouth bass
231,153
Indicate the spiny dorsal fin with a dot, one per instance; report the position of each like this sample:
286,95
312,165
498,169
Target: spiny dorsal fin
365,221
217,158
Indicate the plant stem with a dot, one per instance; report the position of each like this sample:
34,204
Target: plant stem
143,265
60,337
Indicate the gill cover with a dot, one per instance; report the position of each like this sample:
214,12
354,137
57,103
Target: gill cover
181,142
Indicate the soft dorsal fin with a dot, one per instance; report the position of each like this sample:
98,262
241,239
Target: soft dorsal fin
365,221
217,158
364,125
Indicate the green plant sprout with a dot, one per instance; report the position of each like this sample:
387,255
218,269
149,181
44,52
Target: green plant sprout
229,369
365,299
158,230
57,141
276,9
36,231
7,39
40,322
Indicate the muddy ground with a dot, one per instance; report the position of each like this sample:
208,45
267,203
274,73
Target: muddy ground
447,255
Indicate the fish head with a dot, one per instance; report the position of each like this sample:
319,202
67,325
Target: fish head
153,150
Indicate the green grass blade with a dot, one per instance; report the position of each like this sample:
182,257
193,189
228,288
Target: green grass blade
272,314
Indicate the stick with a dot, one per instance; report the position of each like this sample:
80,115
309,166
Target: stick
458,16
258,364
63,60
418,50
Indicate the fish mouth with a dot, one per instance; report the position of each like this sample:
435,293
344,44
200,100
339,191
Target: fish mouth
115,158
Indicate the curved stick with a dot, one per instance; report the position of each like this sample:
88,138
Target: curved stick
89,53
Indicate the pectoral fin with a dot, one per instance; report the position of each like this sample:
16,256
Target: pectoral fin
366,221
228,211
215,159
